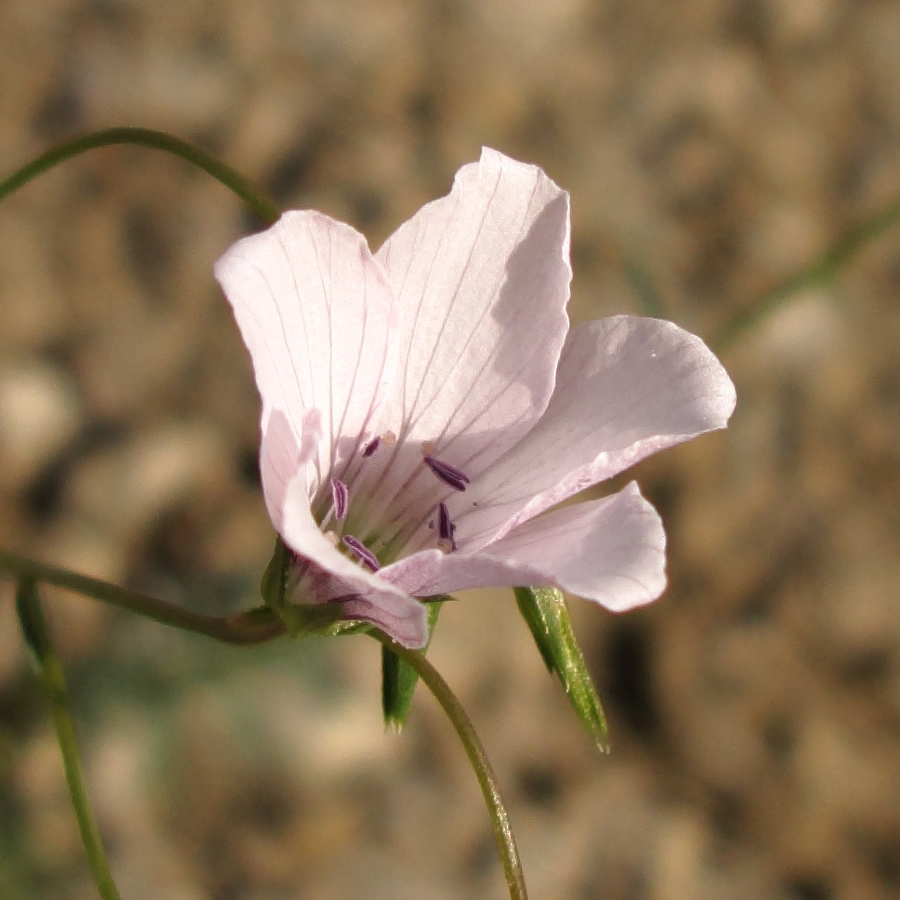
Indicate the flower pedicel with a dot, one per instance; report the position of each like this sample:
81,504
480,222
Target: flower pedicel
425,407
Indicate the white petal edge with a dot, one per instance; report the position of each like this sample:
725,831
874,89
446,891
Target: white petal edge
611,551
626,388
318,317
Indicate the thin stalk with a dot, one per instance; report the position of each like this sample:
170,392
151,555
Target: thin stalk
264,207
821,271
487,780
50,671
251,627
254,626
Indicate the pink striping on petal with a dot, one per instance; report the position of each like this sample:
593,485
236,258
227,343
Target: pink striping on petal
319,317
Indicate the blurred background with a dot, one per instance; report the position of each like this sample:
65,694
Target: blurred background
712,149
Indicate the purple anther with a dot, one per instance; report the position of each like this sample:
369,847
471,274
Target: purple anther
339,497
363,553
371,448
450,475
445,526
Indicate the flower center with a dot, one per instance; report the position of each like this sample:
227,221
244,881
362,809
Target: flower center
373,521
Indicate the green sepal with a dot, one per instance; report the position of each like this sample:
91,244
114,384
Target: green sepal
274,581
300,619
306,619
399,679
547,615
349,626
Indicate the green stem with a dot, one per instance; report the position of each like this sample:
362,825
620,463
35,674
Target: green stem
251,627
263,206
51,674
254,626
822,271
487,780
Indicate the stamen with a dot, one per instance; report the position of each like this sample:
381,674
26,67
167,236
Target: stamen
372,447
339,496
331,537
389,438
445,526
450,475
363,553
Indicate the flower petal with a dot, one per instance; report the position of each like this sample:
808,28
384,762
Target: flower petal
317,315
480,275
626,387
482,279
331,576
282,459
610,550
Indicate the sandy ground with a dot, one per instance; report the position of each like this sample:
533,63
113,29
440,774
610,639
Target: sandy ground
711,149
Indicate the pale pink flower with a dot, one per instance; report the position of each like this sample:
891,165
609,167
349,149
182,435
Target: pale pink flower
425,407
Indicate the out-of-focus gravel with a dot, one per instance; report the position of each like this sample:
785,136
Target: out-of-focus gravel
711,148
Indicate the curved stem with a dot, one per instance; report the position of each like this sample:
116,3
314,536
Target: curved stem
254,626
819,272
266,208
487,780
50,670
257,626
251,627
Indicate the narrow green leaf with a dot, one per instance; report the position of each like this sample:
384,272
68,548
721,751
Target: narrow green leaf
545,611
399,679
31,619
274,580
50,671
